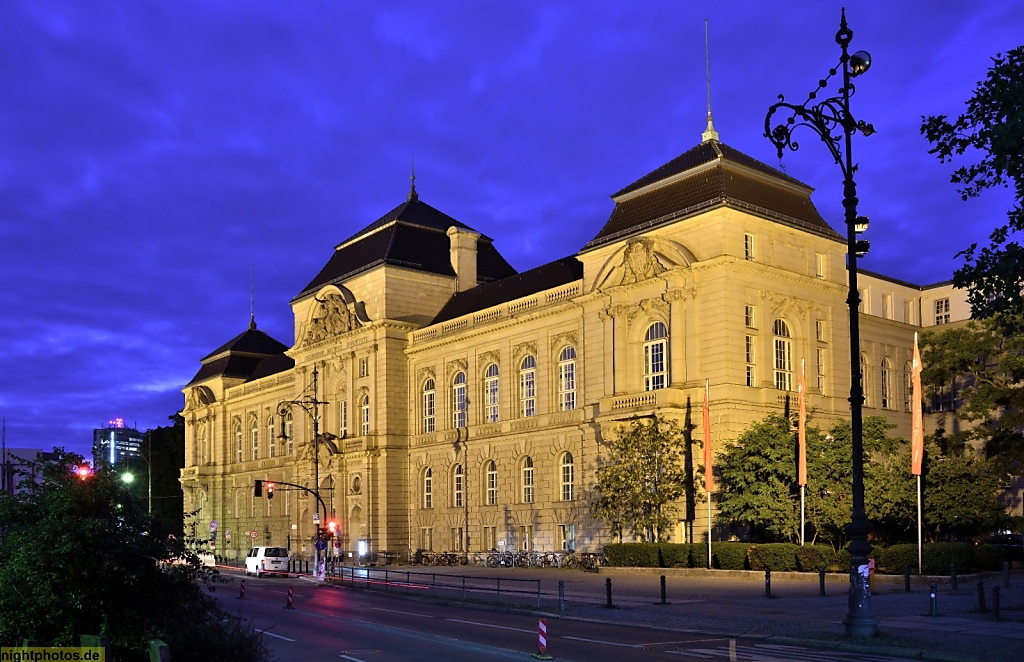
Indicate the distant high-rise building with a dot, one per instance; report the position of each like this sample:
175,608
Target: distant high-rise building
115,443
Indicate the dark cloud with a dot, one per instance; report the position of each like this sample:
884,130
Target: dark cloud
153,153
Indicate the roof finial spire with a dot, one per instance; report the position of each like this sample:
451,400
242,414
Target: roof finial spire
709,133
252,297
412,179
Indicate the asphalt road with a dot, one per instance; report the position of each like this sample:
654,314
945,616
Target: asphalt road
331,623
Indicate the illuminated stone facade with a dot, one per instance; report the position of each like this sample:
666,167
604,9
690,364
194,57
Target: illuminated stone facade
468,403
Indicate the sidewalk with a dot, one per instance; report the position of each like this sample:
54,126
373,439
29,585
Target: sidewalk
734,604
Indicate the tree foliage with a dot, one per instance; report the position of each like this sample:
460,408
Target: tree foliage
81,556
641,479
992,126
984,366
158,469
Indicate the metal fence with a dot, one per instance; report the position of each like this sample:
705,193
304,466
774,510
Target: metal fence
502,590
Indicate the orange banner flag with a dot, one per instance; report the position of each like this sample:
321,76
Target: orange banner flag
709,480
801,430
917,418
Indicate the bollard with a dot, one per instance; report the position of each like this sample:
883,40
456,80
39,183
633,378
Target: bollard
561,595
933,607
241,589
952,575
1006,574
663,590
995,602
821,581
288,605
608,590
906,578
981,597
767,582
542,640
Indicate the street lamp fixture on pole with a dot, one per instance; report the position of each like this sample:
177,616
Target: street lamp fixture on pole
309,402
832,120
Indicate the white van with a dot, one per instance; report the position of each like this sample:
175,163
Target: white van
266,559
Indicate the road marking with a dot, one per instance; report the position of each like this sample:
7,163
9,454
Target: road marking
349,657
271,634
405,613
488,625
603,642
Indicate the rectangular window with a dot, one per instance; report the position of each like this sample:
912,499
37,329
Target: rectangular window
821,370
887,311
944,399
941,311
491,498
364,426
862,304
364,367
527,393
343,419
456,542
749,349
427,538
748,317
567,385
428,410
567,533
526,538
490,537
748,246
906,311
819,265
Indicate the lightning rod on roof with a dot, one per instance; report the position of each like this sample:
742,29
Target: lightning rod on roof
252,296
709,133
412,178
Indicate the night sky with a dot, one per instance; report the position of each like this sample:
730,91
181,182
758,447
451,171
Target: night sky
153,153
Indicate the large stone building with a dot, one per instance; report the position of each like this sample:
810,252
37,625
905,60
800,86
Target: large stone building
466,404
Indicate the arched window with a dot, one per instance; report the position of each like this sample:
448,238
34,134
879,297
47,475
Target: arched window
457,486
289,431
568,477
528,387
238,442
865,379
783,356
364,415
254,432
908,385
886,375
428,406
491,482
491,393
567,379
428,488
527,479
271,437
459,400
655,355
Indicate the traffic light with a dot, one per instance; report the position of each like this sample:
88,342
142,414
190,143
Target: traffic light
319,531
83,472
332,529
257,488
270,490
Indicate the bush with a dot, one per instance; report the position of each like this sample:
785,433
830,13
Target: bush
699,555
632,555
892,559
780,556
730,555
990,557
811,558
938,556
674,555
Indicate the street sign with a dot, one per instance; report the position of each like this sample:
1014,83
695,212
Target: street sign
253,534
227,536
316,518
320,544
213,544
337,544
213,525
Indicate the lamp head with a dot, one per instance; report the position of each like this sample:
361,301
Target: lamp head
859,63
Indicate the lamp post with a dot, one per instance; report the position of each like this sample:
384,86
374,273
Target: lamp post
309,403
832,120
459,441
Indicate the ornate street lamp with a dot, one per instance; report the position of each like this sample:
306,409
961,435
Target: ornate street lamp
309,403
832,120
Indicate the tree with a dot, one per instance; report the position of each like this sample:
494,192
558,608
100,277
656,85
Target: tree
984,367
994,126
641,478
81,556
961,497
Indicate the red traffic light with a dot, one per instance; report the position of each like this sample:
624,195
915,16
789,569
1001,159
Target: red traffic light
83,472
332,527
270,490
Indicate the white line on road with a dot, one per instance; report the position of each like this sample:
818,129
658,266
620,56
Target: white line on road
271,634
488,625
349,657
603,642
404,613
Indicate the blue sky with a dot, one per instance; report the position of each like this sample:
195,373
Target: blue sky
152,153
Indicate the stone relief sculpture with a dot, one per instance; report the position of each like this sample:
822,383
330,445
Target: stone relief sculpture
639,262
331,318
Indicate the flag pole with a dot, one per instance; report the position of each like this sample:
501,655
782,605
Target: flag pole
917,440
708,471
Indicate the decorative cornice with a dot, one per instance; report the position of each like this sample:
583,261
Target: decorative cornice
561,340
522,349
488,357
458,365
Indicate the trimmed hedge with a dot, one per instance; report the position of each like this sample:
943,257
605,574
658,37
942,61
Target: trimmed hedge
780,556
